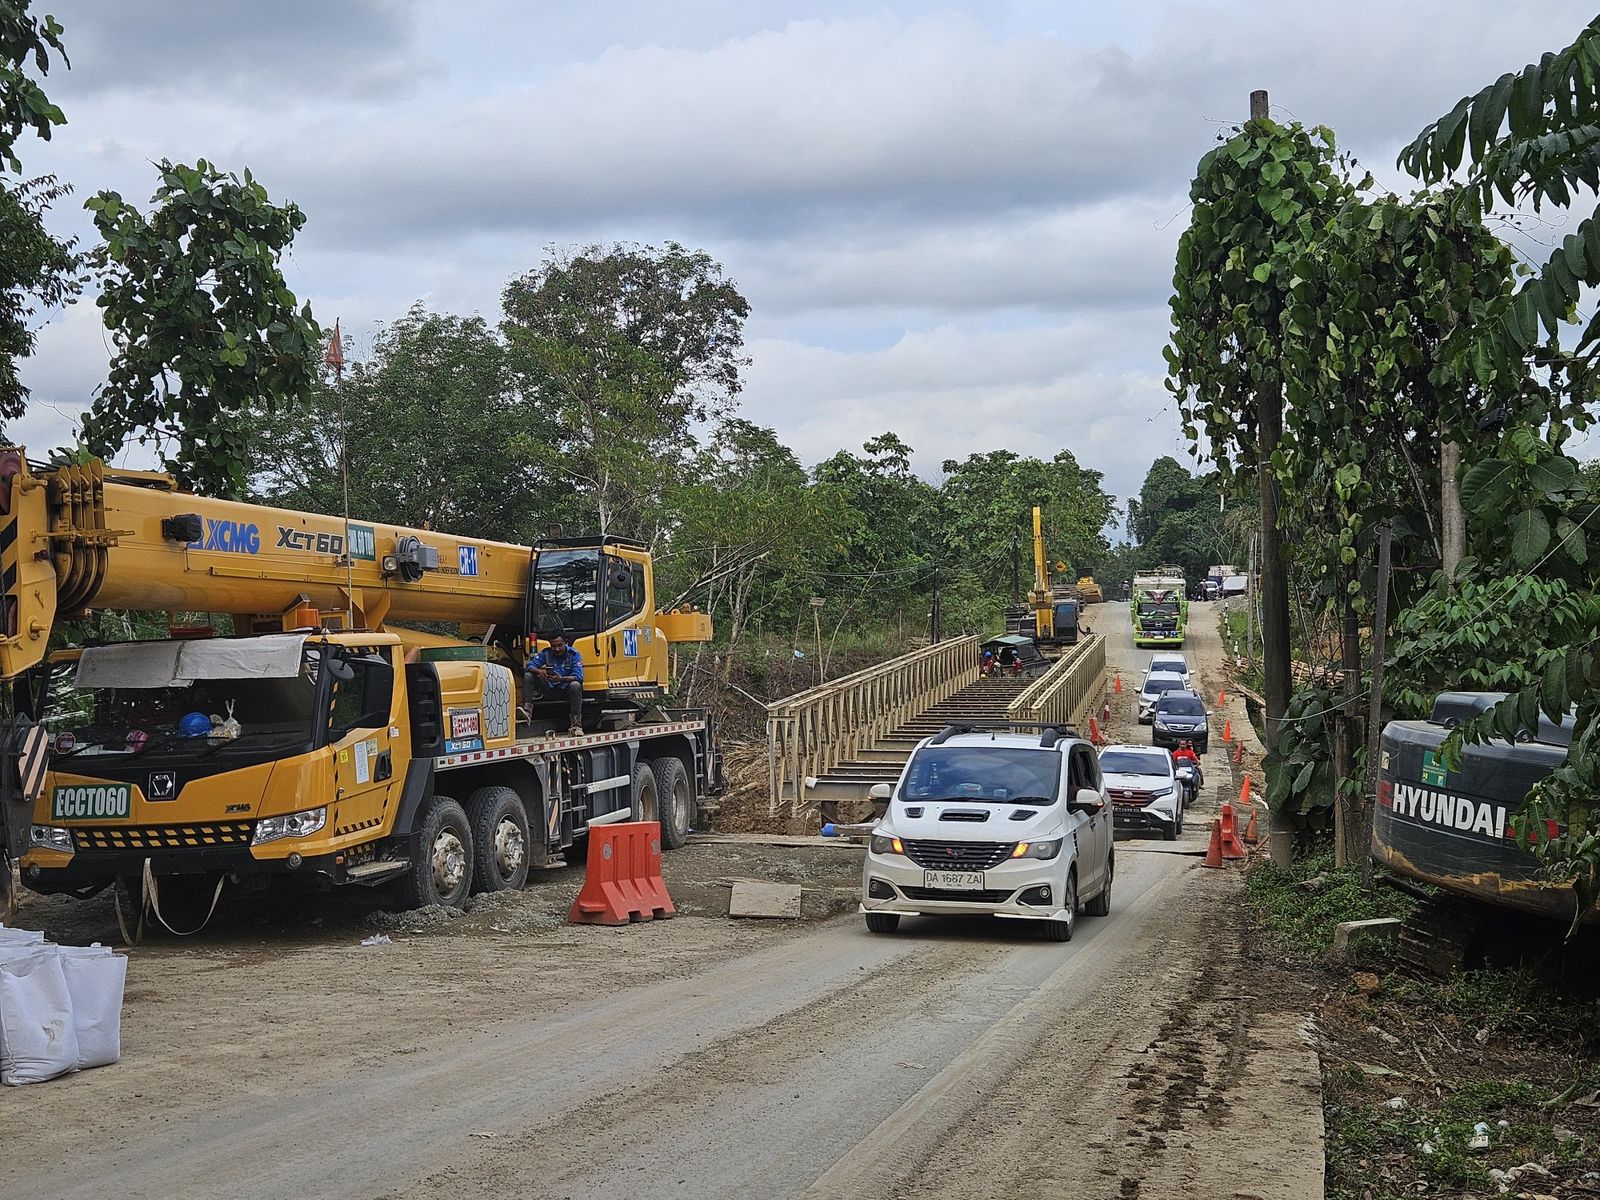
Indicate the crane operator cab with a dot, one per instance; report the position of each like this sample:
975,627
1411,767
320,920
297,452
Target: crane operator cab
599,594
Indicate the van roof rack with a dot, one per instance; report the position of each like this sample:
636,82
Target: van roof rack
1049,734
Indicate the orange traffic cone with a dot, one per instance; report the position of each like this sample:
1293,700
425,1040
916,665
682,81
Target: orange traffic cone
1232,847
1105,711
1222,697
1095,735
1117,687
1244,793
1227,730
1214,851
1251,837
1238,752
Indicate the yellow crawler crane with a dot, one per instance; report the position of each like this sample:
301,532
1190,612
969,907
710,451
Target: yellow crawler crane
324,738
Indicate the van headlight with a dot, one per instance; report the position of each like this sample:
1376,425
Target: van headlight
50,837
1048,848
886,843
296,825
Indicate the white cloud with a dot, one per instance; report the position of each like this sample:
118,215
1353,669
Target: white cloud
953,220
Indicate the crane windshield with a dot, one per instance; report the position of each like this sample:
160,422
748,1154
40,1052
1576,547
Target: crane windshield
181,718
566,593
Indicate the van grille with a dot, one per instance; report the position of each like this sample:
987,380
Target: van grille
957,856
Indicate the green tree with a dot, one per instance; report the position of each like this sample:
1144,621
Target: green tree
884,552
627,349
207,332
750,531
430,417
987,504
37,271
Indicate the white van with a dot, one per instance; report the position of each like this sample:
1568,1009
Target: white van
1005,821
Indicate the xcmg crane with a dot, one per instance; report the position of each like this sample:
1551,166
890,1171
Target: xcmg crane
323,737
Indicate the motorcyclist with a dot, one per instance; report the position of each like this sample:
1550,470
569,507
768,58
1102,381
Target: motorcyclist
1184,756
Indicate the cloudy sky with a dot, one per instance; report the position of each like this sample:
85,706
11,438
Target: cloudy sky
954,221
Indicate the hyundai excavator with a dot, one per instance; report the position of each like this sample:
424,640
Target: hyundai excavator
324,737
1055,610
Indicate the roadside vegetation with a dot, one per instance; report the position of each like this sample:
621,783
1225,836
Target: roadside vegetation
1415,1070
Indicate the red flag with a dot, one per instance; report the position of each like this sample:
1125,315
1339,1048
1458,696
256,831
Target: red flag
335,355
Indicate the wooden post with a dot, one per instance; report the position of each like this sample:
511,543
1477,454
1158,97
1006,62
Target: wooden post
1380,625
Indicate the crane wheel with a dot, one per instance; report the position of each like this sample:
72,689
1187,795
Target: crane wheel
501,845
441,872
645,807
674,800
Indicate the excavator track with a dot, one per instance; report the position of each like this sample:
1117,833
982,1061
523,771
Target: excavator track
1438,937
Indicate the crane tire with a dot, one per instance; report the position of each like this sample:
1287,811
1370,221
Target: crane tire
441,872
502,847
674,801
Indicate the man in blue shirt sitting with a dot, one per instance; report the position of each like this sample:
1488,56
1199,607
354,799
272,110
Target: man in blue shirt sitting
557,673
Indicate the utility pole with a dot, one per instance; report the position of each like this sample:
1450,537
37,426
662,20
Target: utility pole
935,617
1016,576
1274,572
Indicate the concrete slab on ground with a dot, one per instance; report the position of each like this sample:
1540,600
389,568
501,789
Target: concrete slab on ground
752,899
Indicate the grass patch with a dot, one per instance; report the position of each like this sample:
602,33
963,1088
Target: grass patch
1299,907
1513,1001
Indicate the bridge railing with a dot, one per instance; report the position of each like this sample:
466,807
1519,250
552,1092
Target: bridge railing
811,732
1067,692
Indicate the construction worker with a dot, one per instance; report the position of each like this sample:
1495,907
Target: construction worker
556,673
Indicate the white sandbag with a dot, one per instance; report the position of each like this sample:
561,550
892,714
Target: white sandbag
95,981
20,937
37,1037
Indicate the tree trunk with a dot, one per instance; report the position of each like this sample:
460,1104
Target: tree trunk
1453,517
1349,822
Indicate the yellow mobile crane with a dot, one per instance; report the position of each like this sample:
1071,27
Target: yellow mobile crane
322,739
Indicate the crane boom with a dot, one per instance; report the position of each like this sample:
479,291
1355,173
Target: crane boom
82,536
1040,597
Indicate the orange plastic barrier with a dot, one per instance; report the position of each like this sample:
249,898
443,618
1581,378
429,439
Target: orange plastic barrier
1232,847
622,882
1214,852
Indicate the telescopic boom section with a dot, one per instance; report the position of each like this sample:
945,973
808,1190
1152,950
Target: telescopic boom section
83,536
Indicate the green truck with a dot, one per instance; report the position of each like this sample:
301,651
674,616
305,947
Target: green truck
1160,607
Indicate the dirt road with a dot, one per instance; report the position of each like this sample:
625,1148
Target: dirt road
505,1053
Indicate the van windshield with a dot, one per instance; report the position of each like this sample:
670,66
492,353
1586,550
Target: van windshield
982,773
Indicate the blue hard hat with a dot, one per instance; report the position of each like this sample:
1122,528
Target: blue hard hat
195,724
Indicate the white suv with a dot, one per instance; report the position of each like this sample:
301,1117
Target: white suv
1003,821
1164,662
1156,684
1143,787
